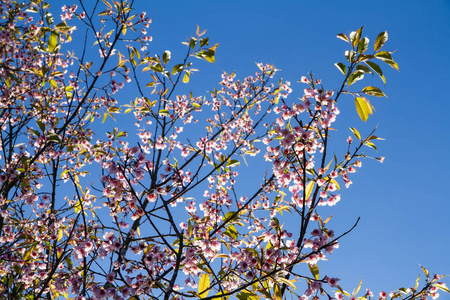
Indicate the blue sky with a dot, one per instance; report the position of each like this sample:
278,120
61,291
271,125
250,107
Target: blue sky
403,203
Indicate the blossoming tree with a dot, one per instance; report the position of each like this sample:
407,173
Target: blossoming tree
89,211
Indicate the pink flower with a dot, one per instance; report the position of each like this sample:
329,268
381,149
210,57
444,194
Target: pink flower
110,277
333,282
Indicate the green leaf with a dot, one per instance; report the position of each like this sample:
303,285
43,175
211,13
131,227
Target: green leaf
392,64
203,285
186,77
387,58
383,55
374,137
164,113
356,133
341,68
356,76
208,55
49,18
287,282
314,270
52,41
377,70
203,41
442,287
62,26
343,37
53,137
355,36
381,40
350,55
166,56
363,45
417,282
359,286
177,68
233,163
192,42
41,125
373,91
426,273
157,68
363,108
371,145
246,295
277,292
364,69
309,189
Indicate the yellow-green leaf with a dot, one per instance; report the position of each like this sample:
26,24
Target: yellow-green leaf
381,40
203,285
52,41
354,77
377,70
373,91
314,270
309,189
442,287
343,37
359,286
186,77
60,234
287,282
166,56
356,133
341,67
426,272
417,282
363,108
277,292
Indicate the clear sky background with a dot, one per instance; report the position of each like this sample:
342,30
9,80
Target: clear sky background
403,203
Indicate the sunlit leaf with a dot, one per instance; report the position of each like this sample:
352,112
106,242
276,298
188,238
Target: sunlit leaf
373,91
309,189
364,69
380,41
203,285
377,70
287,282
343,37
233,163
442,287
356,76
359,287
277,292
341,68
177,68
363,45
350,55
164,113
356,133
371,145
426,272
363,108
52,41
186,77
314,270
166,56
